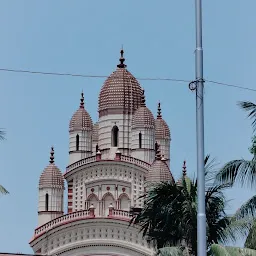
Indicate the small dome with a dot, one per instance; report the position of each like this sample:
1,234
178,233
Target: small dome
120,93
51,176
159,171
143,117
161,127
81,120
95,132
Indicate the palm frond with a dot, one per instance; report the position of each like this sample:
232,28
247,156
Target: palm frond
3,190
248,209
2,134
251,238
236,229
251,108
238,171
173,251
218,250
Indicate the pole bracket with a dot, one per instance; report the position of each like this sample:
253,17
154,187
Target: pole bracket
193,84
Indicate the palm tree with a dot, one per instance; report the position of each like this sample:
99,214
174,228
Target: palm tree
216,250
242,170
169,215
2,189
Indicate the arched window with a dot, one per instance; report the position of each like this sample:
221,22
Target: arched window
77,142
140,140
124,203
46,202
115,131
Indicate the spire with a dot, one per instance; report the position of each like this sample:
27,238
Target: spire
184,169
52,156
122,60
143,99
158,152
82,100
159,112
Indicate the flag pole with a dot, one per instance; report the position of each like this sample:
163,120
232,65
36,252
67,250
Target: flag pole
201,216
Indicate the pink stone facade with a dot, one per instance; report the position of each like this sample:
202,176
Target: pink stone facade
111,163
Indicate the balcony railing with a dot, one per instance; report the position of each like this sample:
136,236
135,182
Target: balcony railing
91,159
80,215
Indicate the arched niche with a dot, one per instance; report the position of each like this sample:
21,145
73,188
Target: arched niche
124,202
107,199
115,136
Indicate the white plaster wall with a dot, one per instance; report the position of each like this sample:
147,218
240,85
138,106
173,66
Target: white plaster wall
112,174
106,123
55,204
85,146
147,151
99,236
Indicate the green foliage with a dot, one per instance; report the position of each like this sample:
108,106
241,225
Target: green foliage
243,172
218,250
215,250
251,238
251,108
169,216
3,190
2,135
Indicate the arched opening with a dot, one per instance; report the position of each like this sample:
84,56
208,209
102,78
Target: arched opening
124,203
46,202
115,131
140,140
108,200
77,142
93,200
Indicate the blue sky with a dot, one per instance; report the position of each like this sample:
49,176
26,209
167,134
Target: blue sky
85,37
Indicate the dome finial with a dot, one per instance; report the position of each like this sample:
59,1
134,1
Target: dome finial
82,100
52,155
159,112
184,169
122,59
143,98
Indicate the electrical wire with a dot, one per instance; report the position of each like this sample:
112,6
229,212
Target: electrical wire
138,78
232,85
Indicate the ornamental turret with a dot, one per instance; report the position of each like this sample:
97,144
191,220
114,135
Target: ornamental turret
51,189
80,134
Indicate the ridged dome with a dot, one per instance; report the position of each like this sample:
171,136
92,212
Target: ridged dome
120,93
159,171
143,117
161,127
95,132
51,176
81,120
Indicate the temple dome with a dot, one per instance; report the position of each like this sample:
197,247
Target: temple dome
51,177
159,171
120,93
161,127
81,119
143,117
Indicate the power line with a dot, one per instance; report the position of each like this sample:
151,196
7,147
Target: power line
138,78
231,85
86,76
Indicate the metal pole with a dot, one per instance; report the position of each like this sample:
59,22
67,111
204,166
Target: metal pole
201,217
